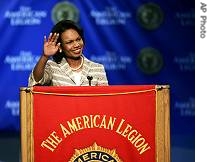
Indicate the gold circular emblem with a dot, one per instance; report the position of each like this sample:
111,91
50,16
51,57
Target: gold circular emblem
65,10
95,153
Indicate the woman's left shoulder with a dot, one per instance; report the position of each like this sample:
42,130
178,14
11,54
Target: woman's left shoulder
93,63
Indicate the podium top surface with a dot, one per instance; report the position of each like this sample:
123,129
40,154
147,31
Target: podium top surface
82,89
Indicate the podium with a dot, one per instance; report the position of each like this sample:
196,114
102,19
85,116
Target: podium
104,123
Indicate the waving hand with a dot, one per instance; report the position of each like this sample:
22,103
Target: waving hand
50,45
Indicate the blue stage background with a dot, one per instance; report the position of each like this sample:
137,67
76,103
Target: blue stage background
138,41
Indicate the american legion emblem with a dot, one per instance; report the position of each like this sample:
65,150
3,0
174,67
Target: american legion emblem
95,153
65,10
150,16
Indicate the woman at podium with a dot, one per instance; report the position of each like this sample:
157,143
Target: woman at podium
63,63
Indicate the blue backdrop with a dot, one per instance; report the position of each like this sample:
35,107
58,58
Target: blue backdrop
138,41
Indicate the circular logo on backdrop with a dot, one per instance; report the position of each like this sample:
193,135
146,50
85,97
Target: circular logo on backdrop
150,61
150,16
65,10
95,153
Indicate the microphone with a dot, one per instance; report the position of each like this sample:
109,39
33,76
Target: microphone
89,79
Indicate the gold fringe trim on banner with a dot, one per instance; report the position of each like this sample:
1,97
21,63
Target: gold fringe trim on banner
157,88
91,94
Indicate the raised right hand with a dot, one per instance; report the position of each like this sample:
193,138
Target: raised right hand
50,45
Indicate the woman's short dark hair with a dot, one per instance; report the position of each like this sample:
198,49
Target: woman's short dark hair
61,27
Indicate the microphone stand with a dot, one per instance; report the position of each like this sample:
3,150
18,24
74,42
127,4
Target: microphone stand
89,79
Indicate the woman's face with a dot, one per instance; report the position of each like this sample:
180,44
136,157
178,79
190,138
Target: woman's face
72,43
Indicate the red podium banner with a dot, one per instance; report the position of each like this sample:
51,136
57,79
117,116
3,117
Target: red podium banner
80,124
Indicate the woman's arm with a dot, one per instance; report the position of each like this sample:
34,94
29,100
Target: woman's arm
50,48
